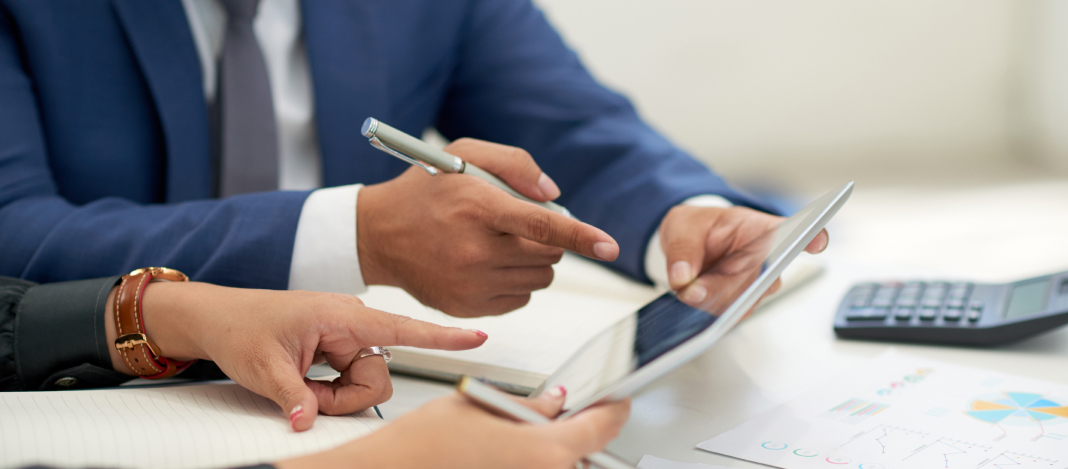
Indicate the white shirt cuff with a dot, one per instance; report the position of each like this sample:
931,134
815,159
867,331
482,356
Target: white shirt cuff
655,260
324,251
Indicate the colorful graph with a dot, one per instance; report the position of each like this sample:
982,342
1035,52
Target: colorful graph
1017,407
854,410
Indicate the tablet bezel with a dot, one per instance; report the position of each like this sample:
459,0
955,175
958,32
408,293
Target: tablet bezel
821,211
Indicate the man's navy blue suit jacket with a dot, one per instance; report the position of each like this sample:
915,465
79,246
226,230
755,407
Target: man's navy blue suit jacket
105,163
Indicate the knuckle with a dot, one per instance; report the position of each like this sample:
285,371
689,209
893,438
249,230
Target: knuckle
556,255
386,393
515,302
461,144
539,225
544,278
574,235
470,254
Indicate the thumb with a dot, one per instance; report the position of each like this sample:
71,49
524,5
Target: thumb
683,239
548,403
285,386
592,429
512,164
819,243
392,329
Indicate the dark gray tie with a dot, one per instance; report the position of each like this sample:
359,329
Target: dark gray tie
249,137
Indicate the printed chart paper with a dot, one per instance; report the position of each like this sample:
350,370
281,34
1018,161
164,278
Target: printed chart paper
653,462
904,412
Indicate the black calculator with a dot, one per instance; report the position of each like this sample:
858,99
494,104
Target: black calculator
965,313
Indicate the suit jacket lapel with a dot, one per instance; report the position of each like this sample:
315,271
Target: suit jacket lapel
349,79
159,34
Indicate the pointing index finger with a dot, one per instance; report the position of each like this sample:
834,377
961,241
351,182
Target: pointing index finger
509,215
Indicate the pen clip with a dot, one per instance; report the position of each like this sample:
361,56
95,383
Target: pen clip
375,142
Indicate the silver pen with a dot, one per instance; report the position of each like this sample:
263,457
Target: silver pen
498,401
432,160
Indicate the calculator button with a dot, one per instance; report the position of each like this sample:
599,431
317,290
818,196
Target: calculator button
974,315
958,294
937,285
882,302
952,315
904,314
976,305
935,292
955,304
932,302
928,314
907,302
867,315
859,303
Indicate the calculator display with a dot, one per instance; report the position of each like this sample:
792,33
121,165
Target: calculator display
1028,298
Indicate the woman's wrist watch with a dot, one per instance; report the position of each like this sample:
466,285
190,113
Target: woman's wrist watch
138,351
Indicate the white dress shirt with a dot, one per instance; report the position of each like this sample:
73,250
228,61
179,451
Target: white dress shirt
324,250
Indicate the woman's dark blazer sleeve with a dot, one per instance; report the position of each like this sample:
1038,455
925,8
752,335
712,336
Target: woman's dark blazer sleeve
52,336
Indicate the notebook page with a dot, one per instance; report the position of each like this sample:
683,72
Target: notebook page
200,426
584,299
537,338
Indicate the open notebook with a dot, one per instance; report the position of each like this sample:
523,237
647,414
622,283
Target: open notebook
199,426
527,345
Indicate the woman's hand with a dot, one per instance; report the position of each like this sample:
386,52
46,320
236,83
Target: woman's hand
451,432
266,340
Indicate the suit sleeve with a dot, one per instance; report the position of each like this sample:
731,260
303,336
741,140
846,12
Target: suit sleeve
244,241
517,83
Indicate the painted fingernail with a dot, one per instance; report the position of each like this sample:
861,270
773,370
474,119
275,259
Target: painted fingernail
681,273
479,333
693,294
826,241
605,251
295,414
548,187
557,392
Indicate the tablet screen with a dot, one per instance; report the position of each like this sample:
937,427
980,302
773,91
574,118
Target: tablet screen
659,327
666,324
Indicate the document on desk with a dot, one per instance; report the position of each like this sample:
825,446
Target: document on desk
199,426
653,462
904,412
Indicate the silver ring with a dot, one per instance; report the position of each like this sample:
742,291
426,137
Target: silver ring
374,352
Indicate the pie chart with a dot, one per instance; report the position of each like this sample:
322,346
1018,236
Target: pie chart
1018,408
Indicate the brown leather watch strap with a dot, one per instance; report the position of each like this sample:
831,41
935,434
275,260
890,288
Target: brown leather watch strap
138,351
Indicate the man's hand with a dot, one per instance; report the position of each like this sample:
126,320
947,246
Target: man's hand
714,253
458,244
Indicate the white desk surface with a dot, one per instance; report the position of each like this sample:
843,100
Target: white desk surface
989,234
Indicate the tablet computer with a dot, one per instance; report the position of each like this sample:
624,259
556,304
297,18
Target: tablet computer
667,333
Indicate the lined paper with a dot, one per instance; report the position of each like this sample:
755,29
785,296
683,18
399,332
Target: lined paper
200,426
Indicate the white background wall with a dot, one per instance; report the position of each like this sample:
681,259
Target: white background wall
895,91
